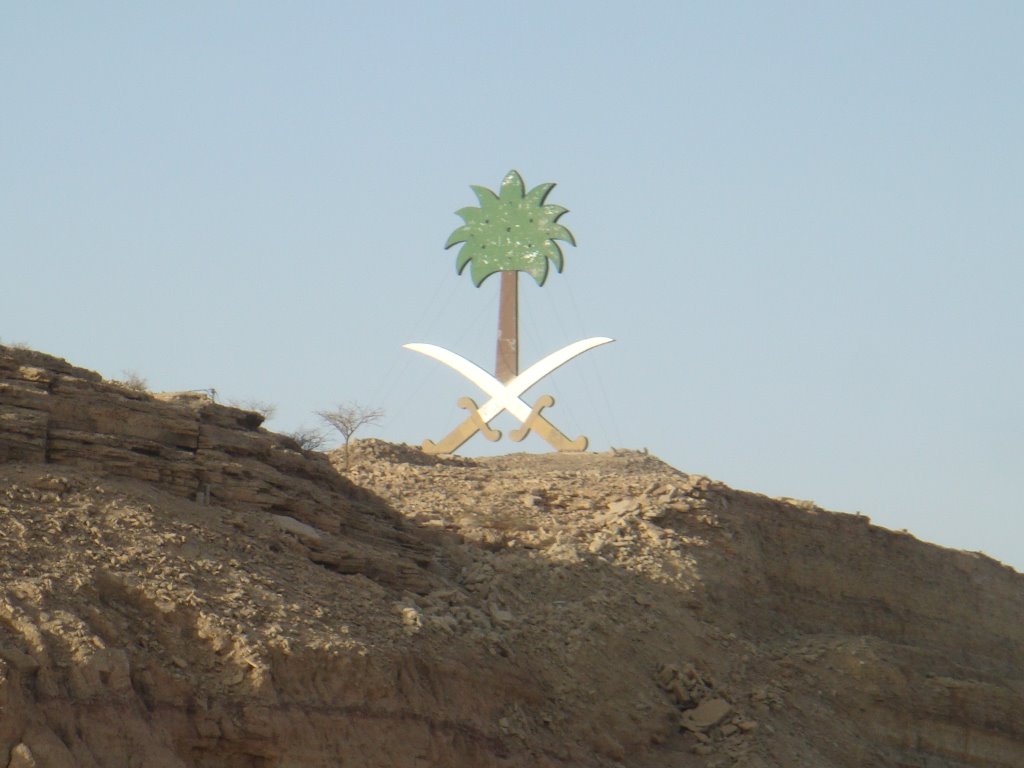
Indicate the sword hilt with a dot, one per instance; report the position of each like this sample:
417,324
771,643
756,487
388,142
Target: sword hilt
470,426
546,429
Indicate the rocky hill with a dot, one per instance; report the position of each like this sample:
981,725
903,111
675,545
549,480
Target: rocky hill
181,587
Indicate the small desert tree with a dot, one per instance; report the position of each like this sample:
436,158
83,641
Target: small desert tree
134,382
309,439
348,418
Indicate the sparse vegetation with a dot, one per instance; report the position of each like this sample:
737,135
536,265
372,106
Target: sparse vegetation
308,438
348,418
133,381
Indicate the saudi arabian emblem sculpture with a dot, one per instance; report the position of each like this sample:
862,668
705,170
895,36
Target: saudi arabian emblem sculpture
511,232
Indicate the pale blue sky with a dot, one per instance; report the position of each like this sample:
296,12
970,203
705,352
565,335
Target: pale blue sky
802,222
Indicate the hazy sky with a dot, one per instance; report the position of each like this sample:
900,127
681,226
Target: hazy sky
802,223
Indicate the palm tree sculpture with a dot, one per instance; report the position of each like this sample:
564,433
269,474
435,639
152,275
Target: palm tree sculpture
511,232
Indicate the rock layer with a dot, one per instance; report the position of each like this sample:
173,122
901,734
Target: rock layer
181,587
191,447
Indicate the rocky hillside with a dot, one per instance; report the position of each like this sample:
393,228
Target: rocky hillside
181,587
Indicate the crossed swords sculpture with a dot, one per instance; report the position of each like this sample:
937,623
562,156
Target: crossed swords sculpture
505,396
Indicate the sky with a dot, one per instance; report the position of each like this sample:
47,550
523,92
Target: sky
801,223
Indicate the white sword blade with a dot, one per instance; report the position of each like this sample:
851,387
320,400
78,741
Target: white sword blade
538,371
502,398
506,396
555,360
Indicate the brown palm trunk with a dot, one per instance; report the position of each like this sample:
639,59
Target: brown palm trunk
507,366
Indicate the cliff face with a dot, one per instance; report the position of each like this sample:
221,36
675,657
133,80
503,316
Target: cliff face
183,588
187,446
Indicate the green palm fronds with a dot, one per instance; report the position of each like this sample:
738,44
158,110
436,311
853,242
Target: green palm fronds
511,231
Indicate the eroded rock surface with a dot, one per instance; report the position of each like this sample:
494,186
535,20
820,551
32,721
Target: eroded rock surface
183,588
